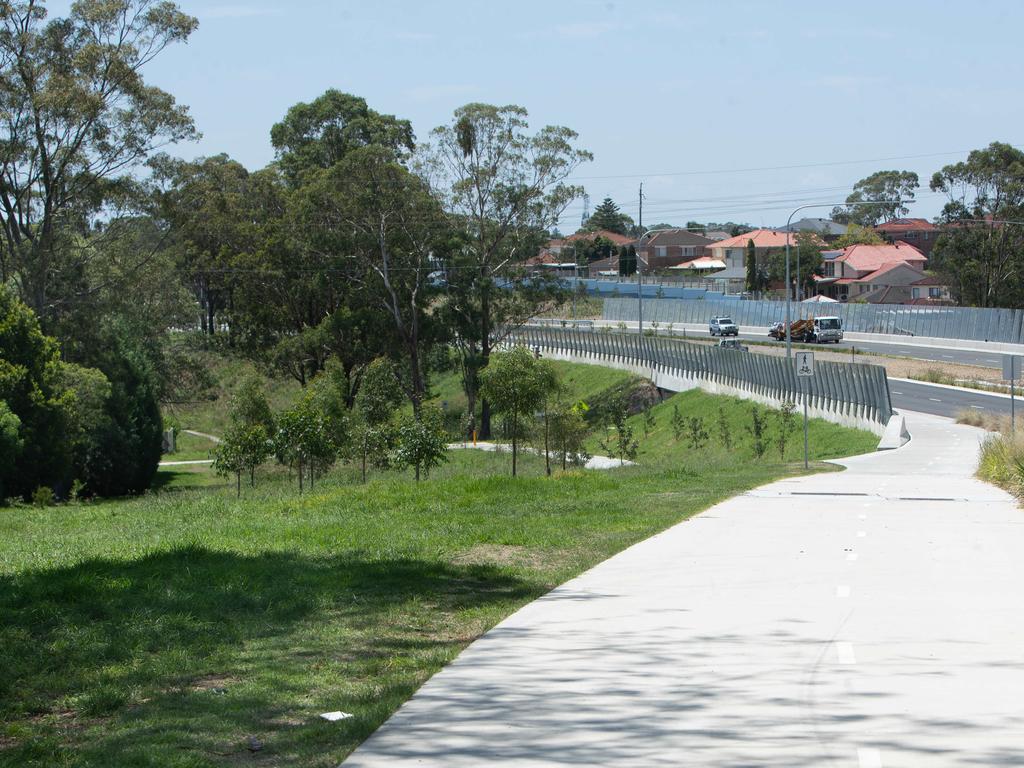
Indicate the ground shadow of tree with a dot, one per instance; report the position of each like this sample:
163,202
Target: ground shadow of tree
83,639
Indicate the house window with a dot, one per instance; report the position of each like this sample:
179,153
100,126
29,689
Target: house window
915,293
910,235
927,235
830,269
934,293
660,251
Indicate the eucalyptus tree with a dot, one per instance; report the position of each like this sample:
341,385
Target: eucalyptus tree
504,188
76,118
882,196
393,231
981,250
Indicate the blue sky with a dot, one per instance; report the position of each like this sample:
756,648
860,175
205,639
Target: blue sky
668,93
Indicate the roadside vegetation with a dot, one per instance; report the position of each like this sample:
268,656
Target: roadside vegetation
193,628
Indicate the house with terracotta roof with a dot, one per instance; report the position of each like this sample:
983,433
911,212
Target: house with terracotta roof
670,248
919,233
862,272
562,251
733,252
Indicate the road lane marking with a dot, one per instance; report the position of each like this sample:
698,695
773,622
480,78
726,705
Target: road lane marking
935,399
978,407
869,758
896,393
948,357
844,651
842,591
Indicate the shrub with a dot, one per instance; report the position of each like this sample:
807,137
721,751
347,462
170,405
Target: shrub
786,426
244,448
724,430
422,443
43,496
756,430
678,423
695,432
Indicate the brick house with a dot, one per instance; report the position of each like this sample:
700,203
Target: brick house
670,248
919,233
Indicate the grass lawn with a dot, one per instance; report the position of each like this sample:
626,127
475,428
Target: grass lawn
168,630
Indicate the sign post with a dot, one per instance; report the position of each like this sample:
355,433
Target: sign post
1011,370
805,370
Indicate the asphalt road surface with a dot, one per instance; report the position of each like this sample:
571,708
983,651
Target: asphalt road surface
945,401
939,355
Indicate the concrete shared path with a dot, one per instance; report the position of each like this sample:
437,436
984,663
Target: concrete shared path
873,617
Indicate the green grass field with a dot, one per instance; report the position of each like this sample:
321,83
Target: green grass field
169,630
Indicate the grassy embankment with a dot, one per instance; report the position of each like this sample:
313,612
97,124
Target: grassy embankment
172,629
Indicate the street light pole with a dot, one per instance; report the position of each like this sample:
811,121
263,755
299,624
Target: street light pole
789,222
640,277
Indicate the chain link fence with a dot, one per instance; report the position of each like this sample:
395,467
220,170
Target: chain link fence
857,393
966,323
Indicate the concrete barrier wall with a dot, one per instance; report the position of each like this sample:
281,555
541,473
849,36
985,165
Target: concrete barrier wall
850,395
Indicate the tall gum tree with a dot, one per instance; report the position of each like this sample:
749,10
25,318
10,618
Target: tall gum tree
504,189
76,117
980,251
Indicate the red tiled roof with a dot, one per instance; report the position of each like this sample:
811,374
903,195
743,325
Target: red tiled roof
615,237
905,225
931,280
544,257
763,238
887,267
868,258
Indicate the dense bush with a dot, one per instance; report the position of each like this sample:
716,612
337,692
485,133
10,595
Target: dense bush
32,388
124,447
97,428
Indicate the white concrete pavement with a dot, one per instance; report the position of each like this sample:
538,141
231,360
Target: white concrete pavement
873,617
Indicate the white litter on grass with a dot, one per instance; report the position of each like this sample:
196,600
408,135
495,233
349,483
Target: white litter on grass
333,716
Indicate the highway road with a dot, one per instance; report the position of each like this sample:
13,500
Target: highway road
944,401
984,359
939,355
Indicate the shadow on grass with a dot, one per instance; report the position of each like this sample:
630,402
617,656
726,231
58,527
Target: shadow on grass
85,644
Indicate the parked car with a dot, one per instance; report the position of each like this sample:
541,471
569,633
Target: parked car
735,344
723,326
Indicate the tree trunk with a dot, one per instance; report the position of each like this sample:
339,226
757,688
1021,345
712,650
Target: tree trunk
252,477
238,485
515,434
417,472
547,454
364,462
302,471
485,419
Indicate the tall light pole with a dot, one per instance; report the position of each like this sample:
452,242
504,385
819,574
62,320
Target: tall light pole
789,222
639,278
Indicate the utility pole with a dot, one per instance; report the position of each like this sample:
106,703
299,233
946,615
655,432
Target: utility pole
639,272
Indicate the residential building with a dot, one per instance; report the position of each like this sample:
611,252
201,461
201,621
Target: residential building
670,248
733,252
931,290
717,234
858,272
919,233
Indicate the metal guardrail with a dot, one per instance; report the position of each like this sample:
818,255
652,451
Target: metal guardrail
857,390
965,323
